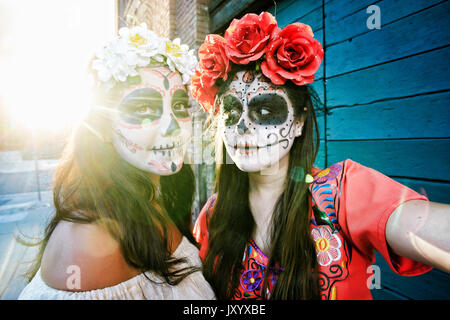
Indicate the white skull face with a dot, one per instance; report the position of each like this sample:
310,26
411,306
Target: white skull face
153,127
258,125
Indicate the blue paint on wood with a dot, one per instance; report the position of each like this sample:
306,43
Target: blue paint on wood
289,11
320,159
424,116
337,10
345,25
435,191
418,158
422,73
392,41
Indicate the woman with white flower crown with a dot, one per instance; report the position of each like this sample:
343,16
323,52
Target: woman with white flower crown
122,196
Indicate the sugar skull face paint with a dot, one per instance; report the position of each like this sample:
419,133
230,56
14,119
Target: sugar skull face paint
258,125
152,127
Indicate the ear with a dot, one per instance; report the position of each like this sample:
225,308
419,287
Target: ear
298,127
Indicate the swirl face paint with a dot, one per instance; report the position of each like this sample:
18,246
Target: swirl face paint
152,127
258,125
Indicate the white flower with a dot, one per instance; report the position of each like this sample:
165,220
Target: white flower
121,57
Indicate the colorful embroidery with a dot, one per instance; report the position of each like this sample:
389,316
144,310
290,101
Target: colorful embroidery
327,245
333,252
251,279
332,249
328,174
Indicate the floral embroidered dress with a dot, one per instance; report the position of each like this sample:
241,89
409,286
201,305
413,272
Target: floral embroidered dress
350,206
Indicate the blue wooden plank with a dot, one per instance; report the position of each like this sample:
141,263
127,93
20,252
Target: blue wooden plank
320,73
422,73
320,159
318,87
432,285
424,116
337,10
225,13
290,11
415,158
313,18
341,28
280,6
435,191
416,33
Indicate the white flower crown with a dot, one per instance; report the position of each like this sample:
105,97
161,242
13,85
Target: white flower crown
120,58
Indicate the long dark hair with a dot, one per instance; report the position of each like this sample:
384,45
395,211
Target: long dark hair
92,183
232,223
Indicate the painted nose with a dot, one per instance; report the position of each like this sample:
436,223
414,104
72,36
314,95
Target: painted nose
172,129
241,128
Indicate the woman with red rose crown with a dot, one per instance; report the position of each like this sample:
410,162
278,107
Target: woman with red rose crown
278,227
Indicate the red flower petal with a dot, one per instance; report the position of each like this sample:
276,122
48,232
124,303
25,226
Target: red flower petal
276,79
247,38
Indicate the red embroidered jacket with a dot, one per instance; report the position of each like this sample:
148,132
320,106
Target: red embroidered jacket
350,206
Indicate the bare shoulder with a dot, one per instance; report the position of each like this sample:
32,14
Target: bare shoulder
82,257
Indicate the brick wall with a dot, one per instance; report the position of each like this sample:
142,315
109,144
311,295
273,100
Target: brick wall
192,21
184,19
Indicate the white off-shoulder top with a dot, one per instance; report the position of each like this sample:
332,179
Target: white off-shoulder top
193,287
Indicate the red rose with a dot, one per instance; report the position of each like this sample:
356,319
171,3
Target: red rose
247,38
213,61
205,95
293,55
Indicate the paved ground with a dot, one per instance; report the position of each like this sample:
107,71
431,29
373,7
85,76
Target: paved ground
22,216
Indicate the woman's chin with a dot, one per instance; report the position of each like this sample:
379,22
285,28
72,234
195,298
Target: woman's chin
252,164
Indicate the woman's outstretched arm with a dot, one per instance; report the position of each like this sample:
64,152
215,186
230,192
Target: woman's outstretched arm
420,230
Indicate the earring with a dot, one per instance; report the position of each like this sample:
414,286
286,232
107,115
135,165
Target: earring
299,130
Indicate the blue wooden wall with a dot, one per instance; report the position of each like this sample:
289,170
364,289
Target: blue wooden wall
386,93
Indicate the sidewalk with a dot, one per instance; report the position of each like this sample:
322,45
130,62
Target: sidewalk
7,167
20,176
21,216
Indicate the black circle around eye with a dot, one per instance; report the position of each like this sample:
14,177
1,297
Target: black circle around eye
268,109
231,109
180,110
140,104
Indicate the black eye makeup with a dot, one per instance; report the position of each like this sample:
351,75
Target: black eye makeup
140,104
268,109
180,104
231,109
